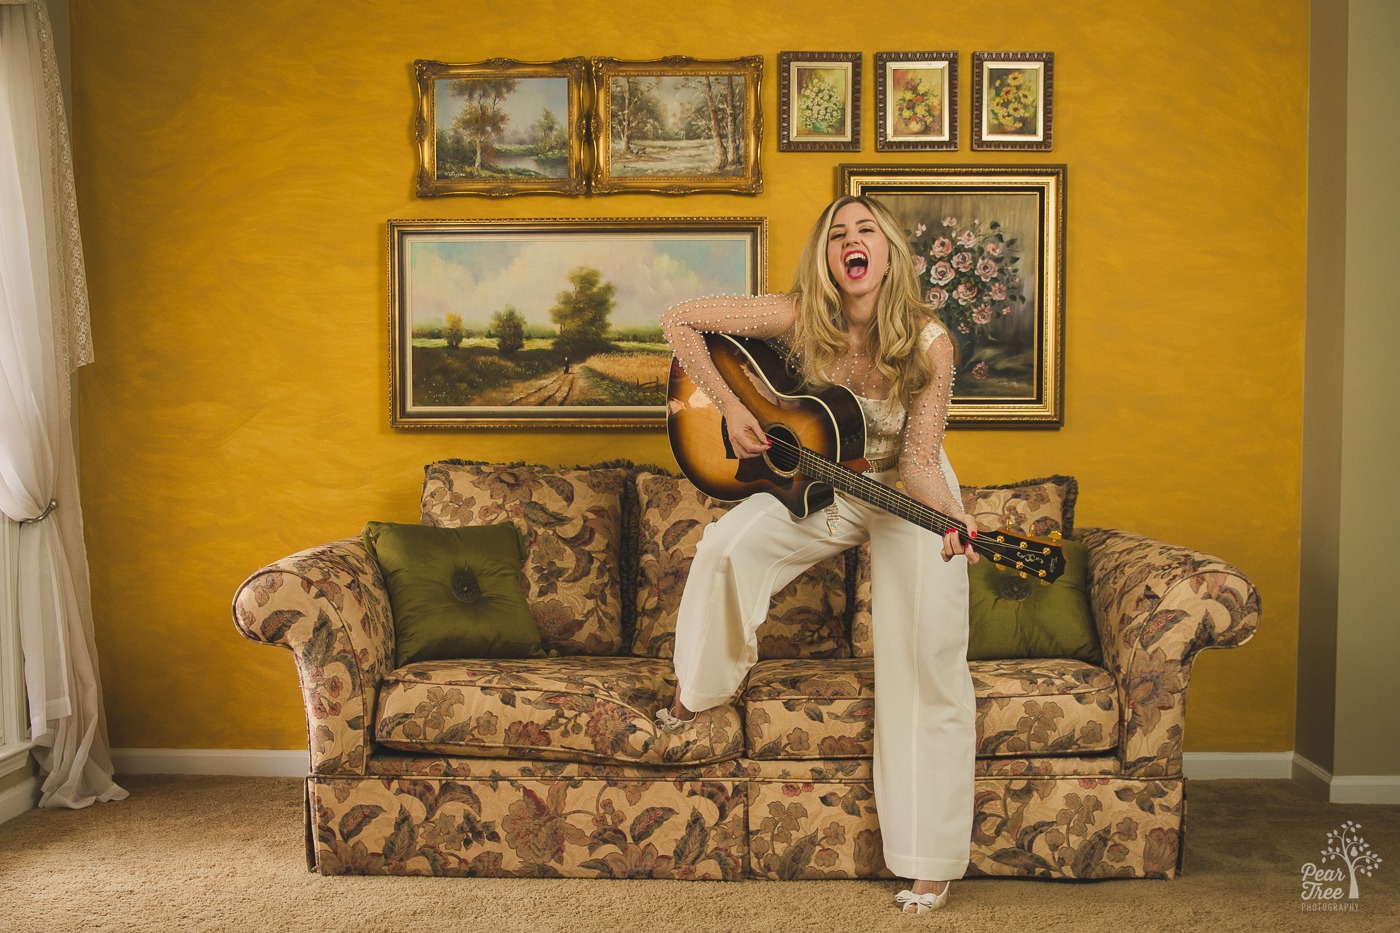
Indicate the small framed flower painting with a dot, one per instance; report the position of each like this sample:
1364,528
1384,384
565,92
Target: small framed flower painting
819,101
916,101
988,249
1012,100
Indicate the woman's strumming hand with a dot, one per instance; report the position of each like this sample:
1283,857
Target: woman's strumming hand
745,433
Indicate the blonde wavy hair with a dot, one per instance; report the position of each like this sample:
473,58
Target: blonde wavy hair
819,335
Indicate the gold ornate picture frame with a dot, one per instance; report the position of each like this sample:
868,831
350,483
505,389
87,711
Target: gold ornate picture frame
989,247
502,127
550,323
676,125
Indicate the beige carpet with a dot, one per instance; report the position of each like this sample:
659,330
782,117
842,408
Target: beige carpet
201,853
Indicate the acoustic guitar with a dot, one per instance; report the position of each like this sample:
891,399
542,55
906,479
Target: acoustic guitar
818,448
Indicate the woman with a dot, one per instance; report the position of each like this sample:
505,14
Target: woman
854,318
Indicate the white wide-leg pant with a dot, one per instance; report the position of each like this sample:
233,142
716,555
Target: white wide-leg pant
925,733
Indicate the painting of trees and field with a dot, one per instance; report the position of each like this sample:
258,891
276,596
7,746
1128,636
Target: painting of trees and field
551,320
502,128
690,125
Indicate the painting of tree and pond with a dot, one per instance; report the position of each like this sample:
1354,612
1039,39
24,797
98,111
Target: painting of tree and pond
502,127
510,322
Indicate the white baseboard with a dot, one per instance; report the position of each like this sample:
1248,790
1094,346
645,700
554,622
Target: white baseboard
1212,766
21,798
1346,788
237,762
1365,788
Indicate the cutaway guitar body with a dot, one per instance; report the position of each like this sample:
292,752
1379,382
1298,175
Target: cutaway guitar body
829,424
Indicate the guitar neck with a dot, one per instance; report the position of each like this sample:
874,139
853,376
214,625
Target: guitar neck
877,494
1029,556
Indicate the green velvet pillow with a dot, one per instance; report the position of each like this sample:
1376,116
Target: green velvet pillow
455,592
1021,618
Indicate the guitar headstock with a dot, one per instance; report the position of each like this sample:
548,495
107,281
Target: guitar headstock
1033,558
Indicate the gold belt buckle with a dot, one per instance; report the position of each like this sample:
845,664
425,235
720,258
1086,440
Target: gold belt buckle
882,464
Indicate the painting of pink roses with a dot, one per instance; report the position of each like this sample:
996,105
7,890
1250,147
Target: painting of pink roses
988,248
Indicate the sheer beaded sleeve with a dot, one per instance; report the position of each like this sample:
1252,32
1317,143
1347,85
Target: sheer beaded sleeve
921,461
762,316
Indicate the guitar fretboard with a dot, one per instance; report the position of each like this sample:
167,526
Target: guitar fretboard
1011,553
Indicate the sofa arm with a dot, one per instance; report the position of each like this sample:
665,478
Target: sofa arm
1156,605
329,607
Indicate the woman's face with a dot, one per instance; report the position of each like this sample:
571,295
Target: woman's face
857,252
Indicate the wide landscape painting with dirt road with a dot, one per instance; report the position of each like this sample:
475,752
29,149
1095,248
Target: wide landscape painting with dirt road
551,319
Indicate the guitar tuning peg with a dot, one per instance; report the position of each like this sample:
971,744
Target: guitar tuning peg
1023,574
1055,536
1044,582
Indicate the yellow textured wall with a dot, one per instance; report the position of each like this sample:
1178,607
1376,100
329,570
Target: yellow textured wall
236,164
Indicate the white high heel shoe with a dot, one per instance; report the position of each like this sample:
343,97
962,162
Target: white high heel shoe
667,722
923,903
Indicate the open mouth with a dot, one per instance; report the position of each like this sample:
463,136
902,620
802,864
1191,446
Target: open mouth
856,263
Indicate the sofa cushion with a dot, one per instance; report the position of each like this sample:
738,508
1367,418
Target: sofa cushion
804,619
571,522
455,592
562,709
801,709
1033,507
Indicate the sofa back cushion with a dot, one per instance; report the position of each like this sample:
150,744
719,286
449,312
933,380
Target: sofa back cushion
571,522
805,620
1033,507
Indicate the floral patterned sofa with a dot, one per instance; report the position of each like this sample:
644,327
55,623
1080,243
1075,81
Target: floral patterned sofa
552,766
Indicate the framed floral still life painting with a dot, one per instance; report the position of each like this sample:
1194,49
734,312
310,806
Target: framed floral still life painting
501,127
677,125
550,323
819,101
1012,100
916,101
988,244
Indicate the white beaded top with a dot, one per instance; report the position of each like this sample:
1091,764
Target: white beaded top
916,435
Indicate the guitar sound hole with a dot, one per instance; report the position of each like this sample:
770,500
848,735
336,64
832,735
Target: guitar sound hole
782,456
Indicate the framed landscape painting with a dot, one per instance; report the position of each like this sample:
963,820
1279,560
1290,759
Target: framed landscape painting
677,125
509,323
989,248
501,127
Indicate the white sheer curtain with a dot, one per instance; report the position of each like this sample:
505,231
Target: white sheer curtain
44,337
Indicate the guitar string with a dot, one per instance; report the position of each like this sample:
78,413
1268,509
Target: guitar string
893,501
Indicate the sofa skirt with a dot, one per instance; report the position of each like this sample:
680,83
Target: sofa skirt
744,819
